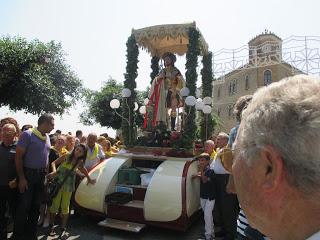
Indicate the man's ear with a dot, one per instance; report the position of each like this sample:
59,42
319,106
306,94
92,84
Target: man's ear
272,168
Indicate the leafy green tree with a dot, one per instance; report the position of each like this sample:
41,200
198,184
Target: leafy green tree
98,102
99,110
34,77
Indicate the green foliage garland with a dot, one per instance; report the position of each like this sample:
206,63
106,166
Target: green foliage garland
154,67
128,105
193,52
207,78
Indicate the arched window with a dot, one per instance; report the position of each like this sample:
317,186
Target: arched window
230,111
219,111
267,77
234,86
247,84
219,92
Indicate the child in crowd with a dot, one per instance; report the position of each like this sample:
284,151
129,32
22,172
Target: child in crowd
62,200
207,192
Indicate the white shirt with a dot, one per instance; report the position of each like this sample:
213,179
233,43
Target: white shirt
217,166
315,236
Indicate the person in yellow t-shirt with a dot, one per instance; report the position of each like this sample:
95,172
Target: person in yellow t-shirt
108,150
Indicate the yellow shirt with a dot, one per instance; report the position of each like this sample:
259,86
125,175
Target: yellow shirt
63,151
108,153
213,154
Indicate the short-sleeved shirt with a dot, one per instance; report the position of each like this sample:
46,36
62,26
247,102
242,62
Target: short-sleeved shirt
233,135
7,164
92,157
37,150
207,189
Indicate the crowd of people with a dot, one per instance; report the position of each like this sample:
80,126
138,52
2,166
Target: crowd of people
261,181
30,158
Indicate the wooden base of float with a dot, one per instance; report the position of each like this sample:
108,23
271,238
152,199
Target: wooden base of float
171,200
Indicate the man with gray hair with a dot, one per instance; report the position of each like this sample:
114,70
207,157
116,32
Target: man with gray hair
222,140
209,147
226,207
95,153
276,164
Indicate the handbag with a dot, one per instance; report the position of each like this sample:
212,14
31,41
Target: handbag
54,186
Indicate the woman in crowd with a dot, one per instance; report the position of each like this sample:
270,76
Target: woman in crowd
59,145
70,142
62,200
108,150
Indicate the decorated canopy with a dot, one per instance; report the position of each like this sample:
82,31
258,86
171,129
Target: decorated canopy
167,38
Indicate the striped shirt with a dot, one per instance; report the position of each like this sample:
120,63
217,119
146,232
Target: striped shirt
242,223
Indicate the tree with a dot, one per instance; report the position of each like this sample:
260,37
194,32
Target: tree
34,77
99,110
98,102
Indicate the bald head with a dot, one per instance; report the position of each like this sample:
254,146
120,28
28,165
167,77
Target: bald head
209,146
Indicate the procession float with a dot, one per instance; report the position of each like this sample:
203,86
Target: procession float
150,181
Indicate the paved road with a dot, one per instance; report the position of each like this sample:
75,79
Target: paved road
83,227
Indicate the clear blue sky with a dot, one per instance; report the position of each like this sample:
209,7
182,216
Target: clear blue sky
93,33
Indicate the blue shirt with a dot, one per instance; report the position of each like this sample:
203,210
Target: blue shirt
37,150
233,134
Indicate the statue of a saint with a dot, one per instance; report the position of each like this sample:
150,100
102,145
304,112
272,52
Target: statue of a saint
165,94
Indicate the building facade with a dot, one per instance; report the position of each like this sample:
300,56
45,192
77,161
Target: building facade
265,65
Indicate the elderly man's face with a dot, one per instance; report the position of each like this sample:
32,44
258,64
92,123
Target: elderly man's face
246,181
208,148
221,141
91,140
8,134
